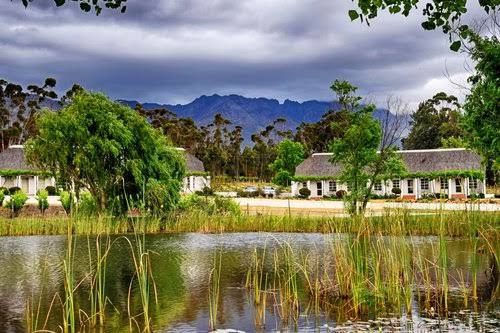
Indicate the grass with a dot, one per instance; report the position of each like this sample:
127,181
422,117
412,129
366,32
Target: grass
400,223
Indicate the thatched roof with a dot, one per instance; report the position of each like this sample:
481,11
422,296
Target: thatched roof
13,158
193,164
416,161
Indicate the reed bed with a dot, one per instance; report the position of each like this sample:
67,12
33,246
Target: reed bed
363,273
398,223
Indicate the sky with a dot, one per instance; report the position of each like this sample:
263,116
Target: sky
172,51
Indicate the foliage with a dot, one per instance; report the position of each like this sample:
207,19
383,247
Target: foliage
482,106
304,192
340,194
211,206
454,142
87,204
4,190
87,6
15,173
51,190
65,198
42,198
14,189
436,119
438,13
24,106
2,197
108,148
357,150
206,191
289,154
396,190
17,200
282,178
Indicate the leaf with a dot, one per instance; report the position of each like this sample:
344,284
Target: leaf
455,46
353,15
124,8
59,3
428,25
85,7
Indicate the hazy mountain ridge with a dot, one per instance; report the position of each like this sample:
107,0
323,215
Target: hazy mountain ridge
252,114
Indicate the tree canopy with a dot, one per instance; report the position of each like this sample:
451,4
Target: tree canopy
87,6
109,149
364,153
289,154
444,14
435,121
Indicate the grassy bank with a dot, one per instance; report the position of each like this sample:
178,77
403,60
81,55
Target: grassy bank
454,224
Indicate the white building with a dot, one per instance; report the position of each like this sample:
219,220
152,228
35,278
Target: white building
196,178
16,172
432,171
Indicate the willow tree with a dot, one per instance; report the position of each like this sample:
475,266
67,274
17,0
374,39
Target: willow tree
109,149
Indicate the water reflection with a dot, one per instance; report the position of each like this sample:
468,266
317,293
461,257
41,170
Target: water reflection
31,271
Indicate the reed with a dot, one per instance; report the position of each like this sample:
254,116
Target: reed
214,289
145,281
69,320
398,223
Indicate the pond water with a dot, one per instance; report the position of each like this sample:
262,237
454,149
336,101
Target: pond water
32,272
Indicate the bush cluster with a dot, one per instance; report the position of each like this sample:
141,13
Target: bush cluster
51,190
304,193
210,206
43,202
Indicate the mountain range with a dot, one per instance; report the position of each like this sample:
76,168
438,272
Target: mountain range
253,114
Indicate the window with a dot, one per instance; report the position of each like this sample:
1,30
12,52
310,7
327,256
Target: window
304,184
332,186
473,185
458,185
319,189
377,186
443,184
188,182
424,184
395,183
410,186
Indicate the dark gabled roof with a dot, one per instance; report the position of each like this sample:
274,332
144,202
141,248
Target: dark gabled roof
13,158
416,161
193,164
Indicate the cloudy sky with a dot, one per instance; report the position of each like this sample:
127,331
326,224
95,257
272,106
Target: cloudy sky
172,51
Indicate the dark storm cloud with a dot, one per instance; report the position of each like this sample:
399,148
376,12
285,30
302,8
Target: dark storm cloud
173,51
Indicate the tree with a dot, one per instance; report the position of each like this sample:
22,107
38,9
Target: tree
90,5
289,155
356,151
481,120
109,149
19,108
435,120
445,14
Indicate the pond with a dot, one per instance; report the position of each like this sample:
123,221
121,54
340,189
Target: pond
259,283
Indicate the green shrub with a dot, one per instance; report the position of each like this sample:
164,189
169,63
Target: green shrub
17,200
282,178
4,190
2,197
65,199
340,194
51,190
43,202
13,190
396,190
305,192
87,205
206,191
210,206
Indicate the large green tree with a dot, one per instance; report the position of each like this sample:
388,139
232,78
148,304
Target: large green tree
435,121
109,149
289,155
366,151
482,106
